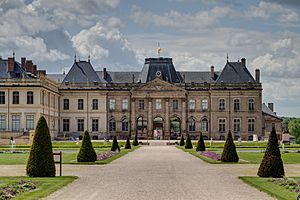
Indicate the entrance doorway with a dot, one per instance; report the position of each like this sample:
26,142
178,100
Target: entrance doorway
175,128
158,128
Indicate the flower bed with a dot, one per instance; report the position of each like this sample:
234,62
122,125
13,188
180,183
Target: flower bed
105,155
211,155
290,184
12,190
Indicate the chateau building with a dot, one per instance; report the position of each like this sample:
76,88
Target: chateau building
157,102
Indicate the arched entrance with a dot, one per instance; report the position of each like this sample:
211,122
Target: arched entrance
175,128
141,127
158,127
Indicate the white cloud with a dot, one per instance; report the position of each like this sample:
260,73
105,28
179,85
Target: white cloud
290,17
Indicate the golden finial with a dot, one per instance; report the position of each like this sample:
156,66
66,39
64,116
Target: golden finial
158,50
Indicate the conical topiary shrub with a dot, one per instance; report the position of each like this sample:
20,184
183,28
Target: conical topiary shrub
271,164
188,143
135,141
115,144
181,142
127,145
229,152
200,144
87,152
41,162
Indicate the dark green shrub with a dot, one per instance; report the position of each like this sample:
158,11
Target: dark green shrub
271,164
181,143
188,143
87,152
41,162
200,144
135,141
229,152
115,144
127,145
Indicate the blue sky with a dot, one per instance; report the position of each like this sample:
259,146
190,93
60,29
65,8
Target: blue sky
119,35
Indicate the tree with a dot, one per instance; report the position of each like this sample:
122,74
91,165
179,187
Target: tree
87,152
229,152
181,143
115,144
294,129
41,162
127,145
188,143
200,144
271,164
135,141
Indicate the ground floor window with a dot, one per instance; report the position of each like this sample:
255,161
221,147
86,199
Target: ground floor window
80,124
251,125
29,122
95,125
66,124
125,124
15,120
192,124
204,125
222,125
2,122
112,125
236,125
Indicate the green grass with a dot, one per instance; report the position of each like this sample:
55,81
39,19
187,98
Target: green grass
270,188
45,186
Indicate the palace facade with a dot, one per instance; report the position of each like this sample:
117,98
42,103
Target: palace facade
157,102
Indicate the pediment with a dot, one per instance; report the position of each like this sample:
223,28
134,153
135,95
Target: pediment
158,85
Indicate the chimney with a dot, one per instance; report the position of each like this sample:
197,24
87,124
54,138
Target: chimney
257,75
104,73
41,73
23,62
29,66
244,61
271,106
212,72
11,64
34,69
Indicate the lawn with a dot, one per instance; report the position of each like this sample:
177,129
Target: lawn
263,184
45,186
68,157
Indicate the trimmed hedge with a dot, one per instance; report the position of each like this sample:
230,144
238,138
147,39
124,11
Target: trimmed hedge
87,152
127,144
200,144
188,143
271,164
135,141
41,162
229,152
115,144
181,143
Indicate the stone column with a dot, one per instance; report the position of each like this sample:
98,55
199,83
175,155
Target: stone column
133,118
150,125
183,116
167,121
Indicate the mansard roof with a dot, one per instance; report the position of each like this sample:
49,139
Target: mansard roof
82,72
18,71
235,72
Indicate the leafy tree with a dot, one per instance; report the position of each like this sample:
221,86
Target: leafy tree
229,152
200,144
41,162
272,165
135,141
115,144
127,145
294,129
188,143
87,152
181,143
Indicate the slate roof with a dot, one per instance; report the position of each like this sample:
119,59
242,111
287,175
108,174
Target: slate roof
119,77
58,78
197,77
82,72
266,110
18,72
235,72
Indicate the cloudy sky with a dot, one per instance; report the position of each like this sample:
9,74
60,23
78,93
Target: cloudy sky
195,33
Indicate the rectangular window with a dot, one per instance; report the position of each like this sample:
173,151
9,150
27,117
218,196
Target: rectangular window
80,124
95,104
192,105
222,125
112,104
124,105
251,104
66,124
112,125
124,125
29,122
236,104
29,97
204,104
95,124
15,97
221,104
141,104
66,104
158,104
236,125
2,97
15,123
2,122
251,125
175,105
80,104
